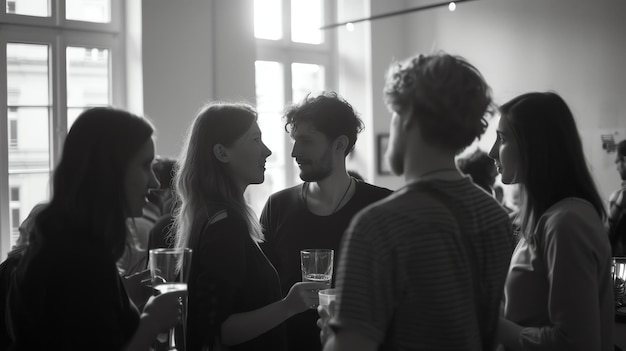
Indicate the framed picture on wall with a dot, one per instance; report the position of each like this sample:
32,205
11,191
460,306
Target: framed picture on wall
382,140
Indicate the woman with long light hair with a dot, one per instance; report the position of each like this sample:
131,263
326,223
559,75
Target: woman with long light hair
235,297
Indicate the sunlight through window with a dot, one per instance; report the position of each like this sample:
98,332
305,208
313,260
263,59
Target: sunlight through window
268,19
306,18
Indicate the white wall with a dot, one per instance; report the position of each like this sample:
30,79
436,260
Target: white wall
364,55
194,52
576,48
205,50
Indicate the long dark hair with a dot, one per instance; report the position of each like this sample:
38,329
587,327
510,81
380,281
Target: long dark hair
88,200
553,165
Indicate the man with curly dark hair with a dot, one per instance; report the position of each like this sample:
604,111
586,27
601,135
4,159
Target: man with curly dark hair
424,268
315,213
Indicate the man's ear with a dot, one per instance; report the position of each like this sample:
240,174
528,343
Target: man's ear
341,144
221,153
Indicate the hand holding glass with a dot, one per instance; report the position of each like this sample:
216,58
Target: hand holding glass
327,296
169,270
326,310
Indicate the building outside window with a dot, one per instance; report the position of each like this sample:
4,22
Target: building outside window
14,204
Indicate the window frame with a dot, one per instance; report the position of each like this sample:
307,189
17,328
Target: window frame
58,34
286,52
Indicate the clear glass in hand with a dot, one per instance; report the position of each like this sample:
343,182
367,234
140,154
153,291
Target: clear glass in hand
169,269
317,265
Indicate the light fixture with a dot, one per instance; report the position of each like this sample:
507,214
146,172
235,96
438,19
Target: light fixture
450,6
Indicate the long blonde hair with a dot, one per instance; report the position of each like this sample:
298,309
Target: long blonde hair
203,183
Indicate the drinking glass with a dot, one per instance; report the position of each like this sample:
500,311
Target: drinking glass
317,265
169,269
619,278
326,297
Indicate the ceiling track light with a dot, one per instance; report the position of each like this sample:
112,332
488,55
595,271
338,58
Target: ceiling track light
450,4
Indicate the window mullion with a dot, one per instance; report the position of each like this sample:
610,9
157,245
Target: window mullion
286,22
5,230
58,120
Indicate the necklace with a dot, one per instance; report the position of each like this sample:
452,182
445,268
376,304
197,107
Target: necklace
306,188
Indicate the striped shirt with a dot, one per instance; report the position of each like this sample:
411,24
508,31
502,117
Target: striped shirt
403,278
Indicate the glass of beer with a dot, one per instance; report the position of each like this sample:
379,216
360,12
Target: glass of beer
169,270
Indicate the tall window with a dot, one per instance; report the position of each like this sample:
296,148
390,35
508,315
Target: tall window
294,58
59,57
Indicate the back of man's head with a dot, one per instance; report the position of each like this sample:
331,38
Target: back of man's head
327,113
448,96
480,167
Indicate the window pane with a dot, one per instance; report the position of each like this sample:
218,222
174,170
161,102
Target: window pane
29,106
13,131
270,90
39,8
306,78
34,190
15,223
98,11
15,194
270,105
88,80
268,19
306,18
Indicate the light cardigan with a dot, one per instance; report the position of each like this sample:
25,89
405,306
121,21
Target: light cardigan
559,285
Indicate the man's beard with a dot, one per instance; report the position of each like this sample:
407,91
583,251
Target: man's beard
319,170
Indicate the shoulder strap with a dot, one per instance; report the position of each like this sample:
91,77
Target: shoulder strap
453,207
218,216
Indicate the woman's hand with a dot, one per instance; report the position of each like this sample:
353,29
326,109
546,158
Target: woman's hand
161,313
303,295
165,310
138,287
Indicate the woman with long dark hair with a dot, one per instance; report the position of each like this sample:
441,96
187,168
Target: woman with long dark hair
67,292
558,292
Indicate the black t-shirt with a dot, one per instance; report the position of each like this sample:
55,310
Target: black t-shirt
229,274
290,227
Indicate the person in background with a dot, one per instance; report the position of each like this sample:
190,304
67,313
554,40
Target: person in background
480,167
617,206
164,196
162,233
559,290
235,299
8,266
314,214
498,193
135,257
66,290
424,268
